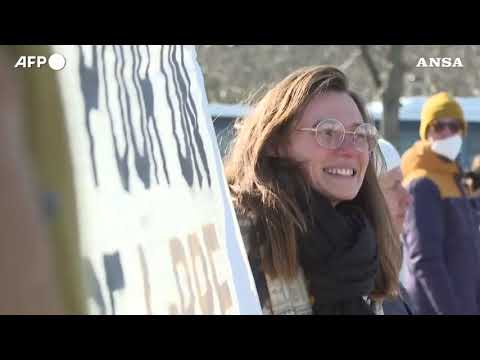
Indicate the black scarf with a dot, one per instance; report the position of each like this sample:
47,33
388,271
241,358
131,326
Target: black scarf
339,258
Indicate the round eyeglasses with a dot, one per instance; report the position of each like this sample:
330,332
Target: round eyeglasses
330,133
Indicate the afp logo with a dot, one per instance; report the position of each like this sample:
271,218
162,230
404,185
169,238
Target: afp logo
55,62
439,62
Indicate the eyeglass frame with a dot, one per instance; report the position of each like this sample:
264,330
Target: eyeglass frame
345,131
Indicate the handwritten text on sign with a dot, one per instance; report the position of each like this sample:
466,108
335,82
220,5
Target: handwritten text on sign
151,207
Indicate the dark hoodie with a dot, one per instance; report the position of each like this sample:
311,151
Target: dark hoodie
441,236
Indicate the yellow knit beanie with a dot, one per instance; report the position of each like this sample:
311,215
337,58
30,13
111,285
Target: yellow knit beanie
438,106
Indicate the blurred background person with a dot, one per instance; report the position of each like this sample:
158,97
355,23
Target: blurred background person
476,163
398,199
472,178
440,238
472,184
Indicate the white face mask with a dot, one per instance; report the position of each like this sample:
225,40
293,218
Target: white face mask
449,147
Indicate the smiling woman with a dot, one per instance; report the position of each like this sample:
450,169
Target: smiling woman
337,177
302,176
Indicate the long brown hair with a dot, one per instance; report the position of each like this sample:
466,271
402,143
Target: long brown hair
265,187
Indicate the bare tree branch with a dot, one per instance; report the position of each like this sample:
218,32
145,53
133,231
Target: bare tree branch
351,60
365,51
246,67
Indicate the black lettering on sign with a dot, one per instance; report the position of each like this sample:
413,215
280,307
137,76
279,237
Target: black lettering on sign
121,156
137,63
93,286
184,268
186,117
135,102
89,84
114,274
142,163
148,102
192,110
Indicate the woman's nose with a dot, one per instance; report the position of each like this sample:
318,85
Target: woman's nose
446,132
348,143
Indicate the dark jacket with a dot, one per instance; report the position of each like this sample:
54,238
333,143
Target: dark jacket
441,236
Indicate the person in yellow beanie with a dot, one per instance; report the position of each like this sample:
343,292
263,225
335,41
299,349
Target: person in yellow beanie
439,113
440,232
